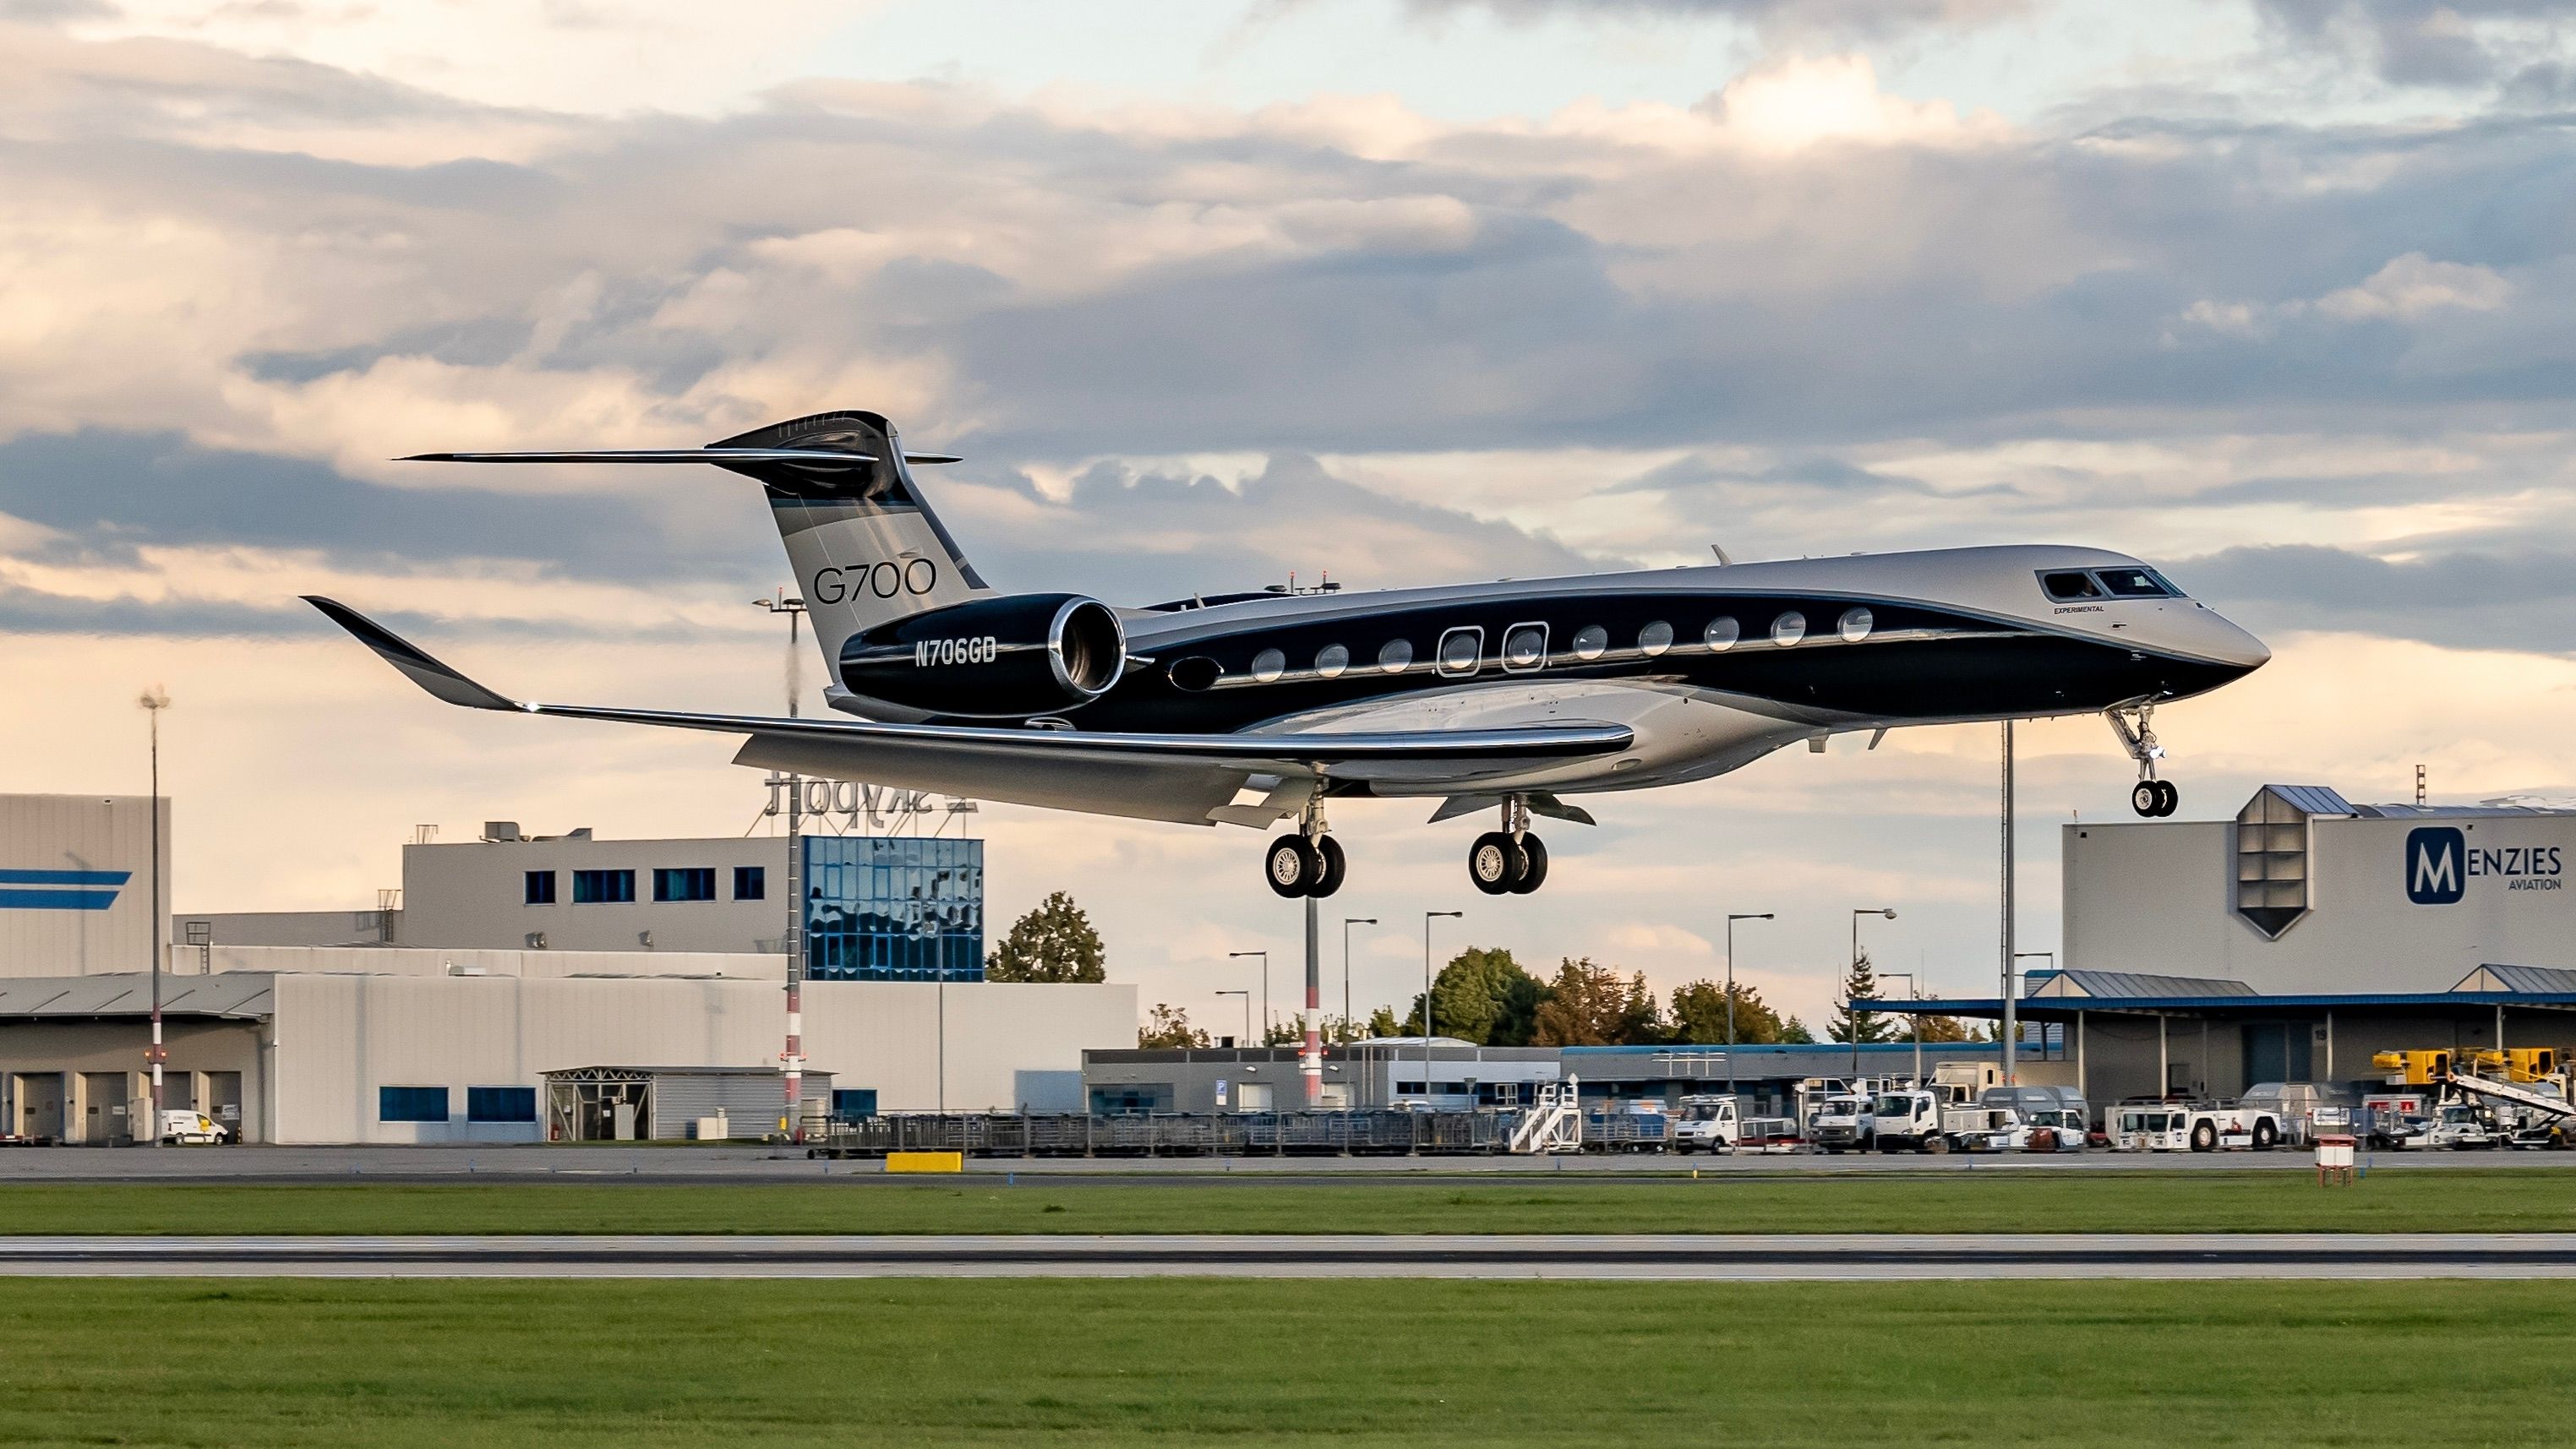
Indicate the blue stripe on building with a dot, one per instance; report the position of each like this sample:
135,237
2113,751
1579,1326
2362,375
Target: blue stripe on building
56,900
65,877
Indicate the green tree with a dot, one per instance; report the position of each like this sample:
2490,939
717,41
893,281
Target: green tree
1859,1025
1699,1015
1796,1031
1950,1028
1484,997
1592,1005
1382,1023
1055,942
1169,1026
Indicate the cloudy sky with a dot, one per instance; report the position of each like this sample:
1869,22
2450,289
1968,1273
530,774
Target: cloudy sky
2276,292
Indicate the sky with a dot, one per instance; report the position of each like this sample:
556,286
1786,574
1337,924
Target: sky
2275,293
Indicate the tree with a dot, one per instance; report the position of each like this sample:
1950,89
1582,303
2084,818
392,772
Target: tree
1589,1005
1484,997
1861,984
1382,1023
1796,1031
1951,1028
1055,942
1169,1026
1699,1015
1285,1033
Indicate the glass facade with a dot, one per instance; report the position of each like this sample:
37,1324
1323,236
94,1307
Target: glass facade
889,908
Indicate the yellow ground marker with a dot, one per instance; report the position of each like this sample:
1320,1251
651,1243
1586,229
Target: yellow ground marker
925,1162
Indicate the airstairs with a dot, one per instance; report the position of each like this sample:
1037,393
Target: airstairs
1555,1124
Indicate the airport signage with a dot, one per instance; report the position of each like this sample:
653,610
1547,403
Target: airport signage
2440,864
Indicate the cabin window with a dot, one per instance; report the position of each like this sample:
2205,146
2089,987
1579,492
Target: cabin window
1655,638
1268,665
1331,660
1854,625
1460,650
1789,628
1524,647
1395,656
2069,586
1591,641
1721,634
2134,584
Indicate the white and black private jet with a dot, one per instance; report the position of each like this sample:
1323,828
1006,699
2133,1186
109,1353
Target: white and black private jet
1258,708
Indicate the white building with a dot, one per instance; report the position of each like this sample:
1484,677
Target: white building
437,1023
2306,892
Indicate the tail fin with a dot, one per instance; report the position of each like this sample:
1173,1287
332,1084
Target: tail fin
865,546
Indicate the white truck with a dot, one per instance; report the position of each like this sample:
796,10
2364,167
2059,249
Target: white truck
1841,1124
1919,1119
1710,1123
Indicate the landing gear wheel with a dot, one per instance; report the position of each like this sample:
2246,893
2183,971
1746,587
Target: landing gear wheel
1292,866
1534,873
1495,862
2168,799
2146,798
1328,876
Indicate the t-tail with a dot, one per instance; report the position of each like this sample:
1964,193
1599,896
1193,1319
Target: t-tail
866,547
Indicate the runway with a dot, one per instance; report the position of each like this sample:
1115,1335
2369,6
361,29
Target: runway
1709,1258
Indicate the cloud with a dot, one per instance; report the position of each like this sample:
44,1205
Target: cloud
2499,598
2464,43
1775,17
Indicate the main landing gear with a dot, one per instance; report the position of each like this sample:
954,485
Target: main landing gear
1305,861
1509,861
2135,725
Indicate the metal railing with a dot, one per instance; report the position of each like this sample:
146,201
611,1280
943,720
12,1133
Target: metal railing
1170,1134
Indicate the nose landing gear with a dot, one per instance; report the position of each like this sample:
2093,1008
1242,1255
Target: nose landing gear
1306,861
2135,725
1509,861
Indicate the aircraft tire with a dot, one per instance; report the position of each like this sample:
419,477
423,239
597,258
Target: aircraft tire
2146,797
2168,799
1534,865
1495,861
1291,865
1332,868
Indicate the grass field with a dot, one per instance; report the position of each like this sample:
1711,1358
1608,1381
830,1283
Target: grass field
349,1365
2417,1200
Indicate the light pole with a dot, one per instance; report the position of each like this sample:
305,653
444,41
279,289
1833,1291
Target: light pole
1913,993
1347,923
1890,913
1427,917
1730,997
1265,989
155,700
792,1118
1247,1014
2011,1027
2012,989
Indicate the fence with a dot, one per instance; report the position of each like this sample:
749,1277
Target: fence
1224,1134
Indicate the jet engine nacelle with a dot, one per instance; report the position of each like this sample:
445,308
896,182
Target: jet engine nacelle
1005,658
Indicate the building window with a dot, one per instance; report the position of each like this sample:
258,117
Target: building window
750,882
882,908
602,887
685,883
541,888
494,1104
853,1104
411,1104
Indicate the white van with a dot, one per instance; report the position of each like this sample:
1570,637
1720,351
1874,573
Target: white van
182,1126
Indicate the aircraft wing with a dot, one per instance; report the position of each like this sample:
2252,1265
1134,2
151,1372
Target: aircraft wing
1249,778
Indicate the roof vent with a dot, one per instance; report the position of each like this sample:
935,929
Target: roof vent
502,830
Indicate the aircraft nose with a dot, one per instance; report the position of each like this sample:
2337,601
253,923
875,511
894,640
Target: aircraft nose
2227,641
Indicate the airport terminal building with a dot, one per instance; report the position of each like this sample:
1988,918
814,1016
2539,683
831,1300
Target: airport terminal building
506,962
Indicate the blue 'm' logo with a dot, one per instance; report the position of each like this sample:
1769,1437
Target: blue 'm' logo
60,890
2437,865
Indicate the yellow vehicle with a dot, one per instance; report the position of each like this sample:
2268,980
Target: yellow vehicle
2515,1064
2414,1069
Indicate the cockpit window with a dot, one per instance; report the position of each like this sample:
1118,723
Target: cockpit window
2134,584
2069,585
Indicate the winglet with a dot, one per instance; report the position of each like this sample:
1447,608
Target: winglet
418,667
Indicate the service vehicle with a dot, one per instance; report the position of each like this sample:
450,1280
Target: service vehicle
1772,1136
1907,1120
1842,1124
1706,1123
2148,1127
185,1126
2460,1127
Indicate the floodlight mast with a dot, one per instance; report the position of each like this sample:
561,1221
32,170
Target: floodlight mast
791,1120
